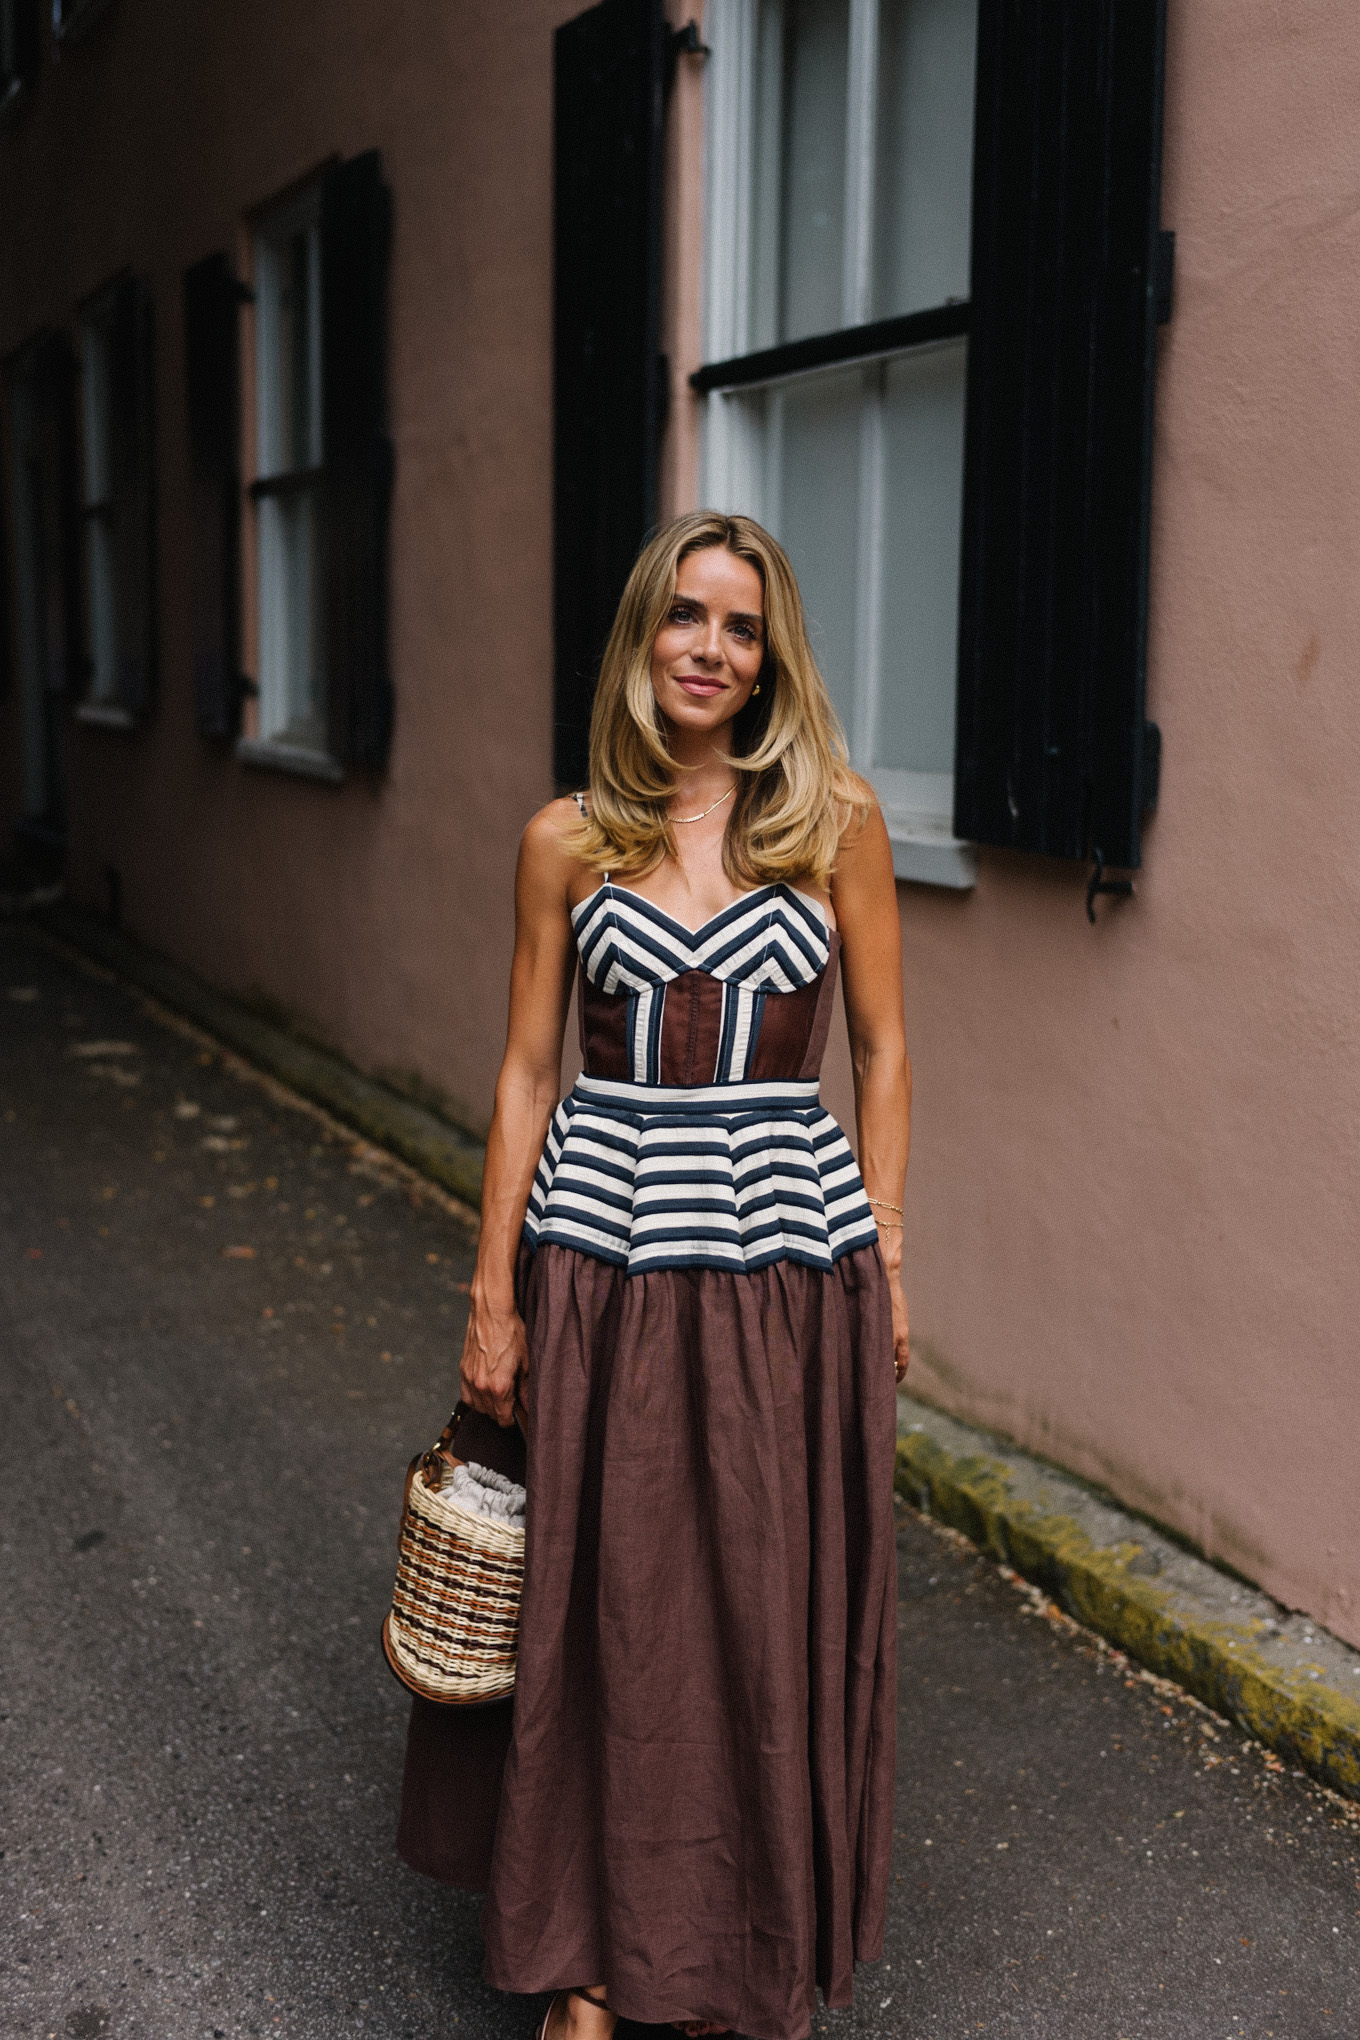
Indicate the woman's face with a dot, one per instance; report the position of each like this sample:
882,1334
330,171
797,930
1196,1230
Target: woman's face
710,648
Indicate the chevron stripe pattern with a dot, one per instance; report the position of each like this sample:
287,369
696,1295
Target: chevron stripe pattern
734,1174
773,940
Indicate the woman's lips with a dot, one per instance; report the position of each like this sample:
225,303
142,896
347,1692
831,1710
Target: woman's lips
692,684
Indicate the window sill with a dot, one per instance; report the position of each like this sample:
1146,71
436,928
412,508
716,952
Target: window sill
925,851
105,715
289,758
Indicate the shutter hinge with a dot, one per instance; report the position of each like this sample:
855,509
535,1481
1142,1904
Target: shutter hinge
683,42
1121,888
1166,270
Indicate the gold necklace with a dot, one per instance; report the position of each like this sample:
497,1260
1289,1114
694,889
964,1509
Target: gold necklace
704,811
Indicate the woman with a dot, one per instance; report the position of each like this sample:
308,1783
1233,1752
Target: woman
699,1300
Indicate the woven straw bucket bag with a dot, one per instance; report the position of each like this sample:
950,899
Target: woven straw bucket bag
453,1630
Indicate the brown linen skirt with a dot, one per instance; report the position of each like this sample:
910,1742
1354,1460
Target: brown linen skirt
697,1801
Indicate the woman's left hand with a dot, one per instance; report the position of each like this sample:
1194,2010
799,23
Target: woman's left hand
901,1329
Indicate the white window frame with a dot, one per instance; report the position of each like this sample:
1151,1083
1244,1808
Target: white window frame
917,806
271,742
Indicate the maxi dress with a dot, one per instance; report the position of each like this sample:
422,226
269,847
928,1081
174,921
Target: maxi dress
696,1802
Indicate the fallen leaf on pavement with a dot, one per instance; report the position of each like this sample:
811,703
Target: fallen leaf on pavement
185,1108
238,1253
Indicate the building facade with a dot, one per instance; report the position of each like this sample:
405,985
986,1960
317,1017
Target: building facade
348,352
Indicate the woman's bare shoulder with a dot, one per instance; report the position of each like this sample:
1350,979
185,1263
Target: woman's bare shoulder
551,828
547,853
861,814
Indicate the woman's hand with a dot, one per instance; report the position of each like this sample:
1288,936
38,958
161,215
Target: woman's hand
901,1329
495,1360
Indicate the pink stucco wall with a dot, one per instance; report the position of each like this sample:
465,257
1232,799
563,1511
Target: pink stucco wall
1133,1219
379,914
1135,1223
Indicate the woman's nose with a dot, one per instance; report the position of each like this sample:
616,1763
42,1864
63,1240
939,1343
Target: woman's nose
710,641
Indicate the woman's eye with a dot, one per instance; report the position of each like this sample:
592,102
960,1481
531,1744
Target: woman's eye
681,614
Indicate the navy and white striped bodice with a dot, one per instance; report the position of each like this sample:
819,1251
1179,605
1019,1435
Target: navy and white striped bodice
695,1136
775,941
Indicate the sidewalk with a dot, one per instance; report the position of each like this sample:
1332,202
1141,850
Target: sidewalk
226,1324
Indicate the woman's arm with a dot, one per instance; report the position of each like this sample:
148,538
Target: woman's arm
865,898
495,1355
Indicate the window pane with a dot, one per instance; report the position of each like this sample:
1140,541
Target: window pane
94,362
290,705
928,62
103,611
922,521
289,342
298,354
814,438
96,421
812,237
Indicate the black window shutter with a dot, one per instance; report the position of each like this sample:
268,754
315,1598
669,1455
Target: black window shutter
1053,752
608,95
356,233
213,397
132,462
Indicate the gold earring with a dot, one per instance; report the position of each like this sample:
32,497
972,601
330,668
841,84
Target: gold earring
756,688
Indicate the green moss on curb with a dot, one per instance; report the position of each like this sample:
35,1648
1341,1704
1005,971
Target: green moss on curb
1293,1712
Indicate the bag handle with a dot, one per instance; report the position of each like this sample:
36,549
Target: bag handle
442,1447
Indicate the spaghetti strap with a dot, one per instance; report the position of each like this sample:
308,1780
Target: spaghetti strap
580,801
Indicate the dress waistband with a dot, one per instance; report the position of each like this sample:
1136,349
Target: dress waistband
684,1101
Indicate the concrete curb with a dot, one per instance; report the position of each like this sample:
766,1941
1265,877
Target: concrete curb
1285,1680
444,1152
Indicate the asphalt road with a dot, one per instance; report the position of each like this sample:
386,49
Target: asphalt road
200,1465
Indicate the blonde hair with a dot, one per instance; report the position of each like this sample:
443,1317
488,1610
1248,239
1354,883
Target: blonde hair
795,791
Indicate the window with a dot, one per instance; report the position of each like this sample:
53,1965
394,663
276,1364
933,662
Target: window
840,177
117,489
287,489
324,467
